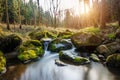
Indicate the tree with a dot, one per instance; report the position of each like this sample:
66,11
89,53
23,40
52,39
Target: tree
20,25
54,9
38,3
25,11
7,16
103,14
95,12
67,18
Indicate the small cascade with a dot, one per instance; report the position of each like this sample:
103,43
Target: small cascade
46,42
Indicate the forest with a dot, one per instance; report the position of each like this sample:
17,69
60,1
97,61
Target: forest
59,39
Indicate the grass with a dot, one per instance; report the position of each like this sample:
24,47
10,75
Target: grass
90,30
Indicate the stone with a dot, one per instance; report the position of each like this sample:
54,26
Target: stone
10,43
59,63
30,50
108,49
59,44
71,58
94,57
87,40
113,61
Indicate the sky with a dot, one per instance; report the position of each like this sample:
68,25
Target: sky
65,4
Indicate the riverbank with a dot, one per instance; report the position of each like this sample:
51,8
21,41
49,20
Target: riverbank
89,45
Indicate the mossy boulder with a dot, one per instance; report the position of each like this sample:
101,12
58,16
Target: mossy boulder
59,44
10,43
108,49
87,40
27,55
65,35
72,58
113,61
42,34
2,62
30,49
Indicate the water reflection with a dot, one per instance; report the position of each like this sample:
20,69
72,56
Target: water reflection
99,72
47,70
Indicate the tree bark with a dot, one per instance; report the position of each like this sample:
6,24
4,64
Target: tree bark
38,2
103,15
7,16
20,25
118,3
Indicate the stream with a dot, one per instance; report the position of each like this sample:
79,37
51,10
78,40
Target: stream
46,69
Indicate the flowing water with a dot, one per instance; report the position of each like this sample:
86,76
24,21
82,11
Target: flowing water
46,69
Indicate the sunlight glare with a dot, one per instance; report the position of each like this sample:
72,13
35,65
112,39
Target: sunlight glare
81,10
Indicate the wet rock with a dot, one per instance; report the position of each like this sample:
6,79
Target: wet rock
94,57
71,58
108,49
10,43
113,61
102,58
118,34
30,49
2,63
59,63
59,44
86,40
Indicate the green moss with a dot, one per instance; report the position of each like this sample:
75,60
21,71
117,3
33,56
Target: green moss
80,60
91,30
111,36
27,55
30,49
39,51
32,42
2,62
70,57
94,57
42,34
65,35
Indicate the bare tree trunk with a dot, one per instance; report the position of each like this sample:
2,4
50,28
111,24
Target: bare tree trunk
34,17
7,16
25,12
20,25
38,2
54,4
103,16
118,9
